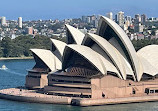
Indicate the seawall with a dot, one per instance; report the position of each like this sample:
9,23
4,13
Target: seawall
96,102
32,96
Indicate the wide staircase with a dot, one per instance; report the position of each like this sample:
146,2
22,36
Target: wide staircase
63,84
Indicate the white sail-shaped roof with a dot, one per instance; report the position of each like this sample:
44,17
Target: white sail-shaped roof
60,46
118,60
109,66
88,54
48,58
148,68
97,60
76,34
149,59
117,32
44,55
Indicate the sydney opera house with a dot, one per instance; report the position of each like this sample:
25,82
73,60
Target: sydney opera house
101,65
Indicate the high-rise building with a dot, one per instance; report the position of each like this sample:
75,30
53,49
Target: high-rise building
84,18
3,21
88,19
120,18
143,19
109,15
93,17
116,18
138,27
96,23
29,30
20,22
137,19
128,20
0,20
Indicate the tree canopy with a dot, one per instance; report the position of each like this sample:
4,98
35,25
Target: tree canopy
20,46
138,44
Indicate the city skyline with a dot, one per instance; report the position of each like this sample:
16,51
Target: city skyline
34,10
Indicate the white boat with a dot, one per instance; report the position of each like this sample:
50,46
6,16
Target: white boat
4,67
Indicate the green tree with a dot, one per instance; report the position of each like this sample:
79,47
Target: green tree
7,47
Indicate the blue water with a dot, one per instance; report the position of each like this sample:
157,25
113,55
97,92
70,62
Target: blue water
15,76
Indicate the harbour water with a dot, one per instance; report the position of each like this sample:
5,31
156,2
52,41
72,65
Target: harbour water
15,76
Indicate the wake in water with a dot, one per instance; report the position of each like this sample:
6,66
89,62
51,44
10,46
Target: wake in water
3,68
12,72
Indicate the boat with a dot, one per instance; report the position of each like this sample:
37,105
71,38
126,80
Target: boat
4,67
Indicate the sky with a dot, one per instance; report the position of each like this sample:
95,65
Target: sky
62,9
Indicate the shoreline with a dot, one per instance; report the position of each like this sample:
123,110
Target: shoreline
31,96
14,58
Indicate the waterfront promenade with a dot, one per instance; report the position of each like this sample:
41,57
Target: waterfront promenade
24,95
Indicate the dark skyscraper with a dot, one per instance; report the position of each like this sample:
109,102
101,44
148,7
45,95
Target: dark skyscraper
143,19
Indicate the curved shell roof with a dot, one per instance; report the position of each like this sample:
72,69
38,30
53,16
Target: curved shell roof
77,35
60,46
58,64
109,66
149,58
53,63
135,62
88,54
111,51
148,68
118,60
